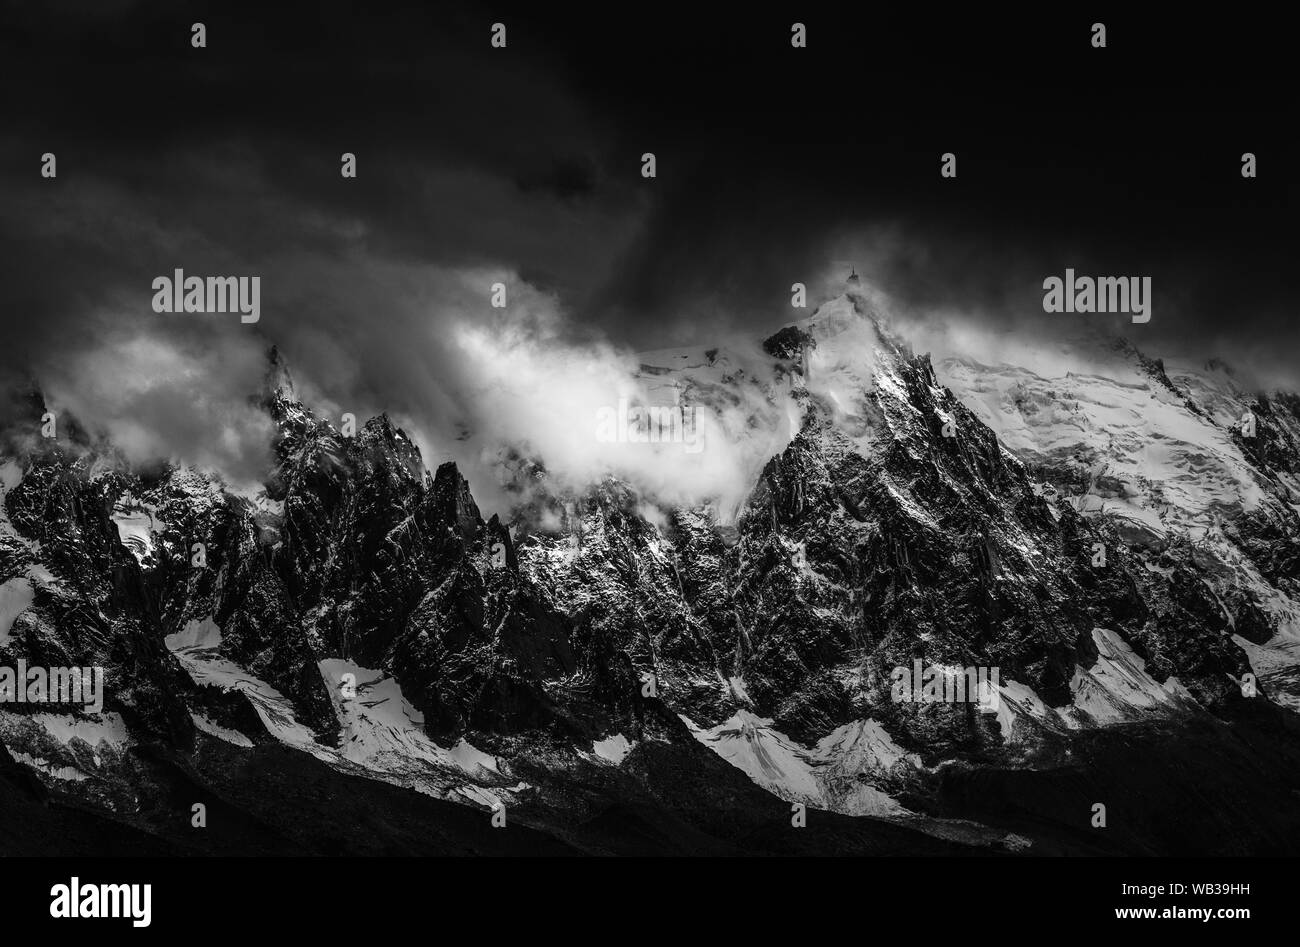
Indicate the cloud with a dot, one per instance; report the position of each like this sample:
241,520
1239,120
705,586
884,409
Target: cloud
522,166
155,397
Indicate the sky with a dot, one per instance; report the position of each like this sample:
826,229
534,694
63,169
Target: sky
522,165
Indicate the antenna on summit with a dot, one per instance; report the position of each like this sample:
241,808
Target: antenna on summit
853,276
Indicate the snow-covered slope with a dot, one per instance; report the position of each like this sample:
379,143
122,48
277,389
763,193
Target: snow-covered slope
1161,451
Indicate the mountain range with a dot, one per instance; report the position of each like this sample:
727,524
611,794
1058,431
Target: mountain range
351,659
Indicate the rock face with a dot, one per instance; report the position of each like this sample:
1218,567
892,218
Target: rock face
1120,547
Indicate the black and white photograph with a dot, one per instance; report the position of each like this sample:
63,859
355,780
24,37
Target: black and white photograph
859,443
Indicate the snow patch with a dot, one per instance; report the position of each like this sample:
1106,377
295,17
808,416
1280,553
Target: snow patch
1117,685
382,735
137,523
832,776
613,748
738,689
1017,702
107,728
1276,665
381,729
200,633
195,646
212,728
65,773
1115,689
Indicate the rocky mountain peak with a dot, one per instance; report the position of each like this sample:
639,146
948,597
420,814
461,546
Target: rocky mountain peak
916,513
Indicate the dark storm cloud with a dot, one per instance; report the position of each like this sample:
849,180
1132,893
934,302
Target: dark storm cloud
476,164
226,161
233,152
